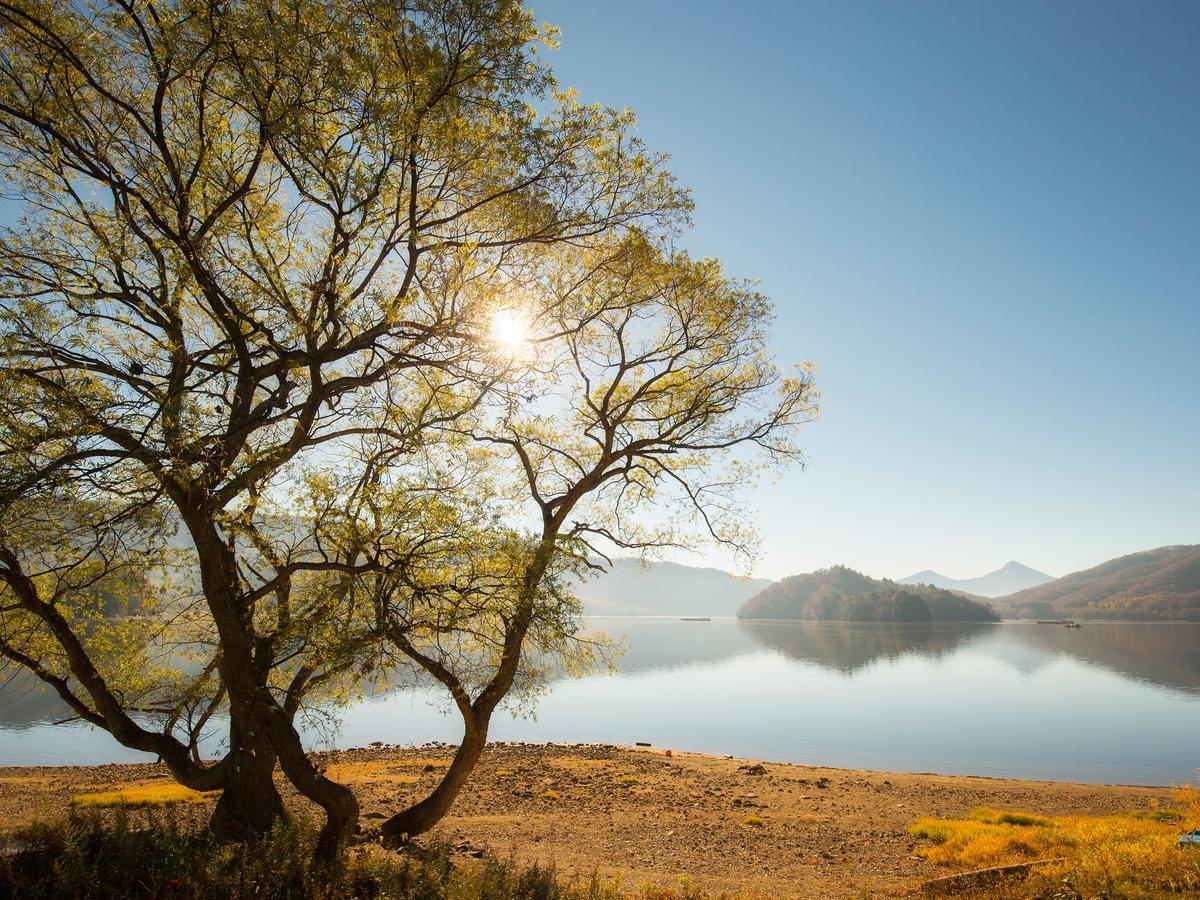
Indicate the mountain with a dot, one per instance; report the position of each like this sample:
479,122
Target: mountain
841,594
633,588
1008,579
1153,584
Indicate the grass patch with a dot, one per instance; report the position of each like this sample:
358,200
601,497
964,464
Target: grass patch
1008,817
550,795
504,773
628,780
356,772
165,794
1134,855
754,822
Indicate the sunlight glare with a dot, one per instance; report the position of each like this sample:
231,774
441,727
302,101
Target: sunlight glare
510,330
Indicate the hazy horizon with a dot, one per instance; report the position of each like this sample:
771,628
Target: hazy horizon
981,222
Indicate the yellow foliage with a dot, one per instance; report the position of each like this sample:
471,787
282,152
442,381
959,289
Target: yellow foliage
550,795
753,822
1188,800
1123,855
142,795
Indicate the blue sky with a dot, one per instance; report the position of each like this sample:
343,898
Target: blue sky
982,222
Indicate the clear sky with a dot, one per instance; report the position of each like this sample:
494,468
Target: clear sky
982,221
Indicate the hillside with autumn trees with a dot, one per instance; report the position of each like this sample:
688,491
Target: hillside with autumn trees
1160,584
842,594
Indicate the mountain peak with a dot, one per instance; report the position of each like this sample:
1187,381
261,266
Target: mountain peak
1009,578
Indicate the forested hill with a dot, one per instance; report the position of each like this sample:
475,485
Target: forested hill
842,594
1151,585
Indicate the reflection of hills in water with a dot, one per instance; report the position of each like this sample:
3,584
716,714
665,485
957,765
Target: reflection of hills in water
670,643
1167,655
24,702
850,646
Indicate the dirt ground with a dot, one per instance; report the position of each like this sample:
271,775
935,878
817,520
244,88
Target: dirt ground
726,824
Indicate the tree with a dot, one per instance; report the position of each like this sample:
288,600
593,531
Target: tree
644,386
245,235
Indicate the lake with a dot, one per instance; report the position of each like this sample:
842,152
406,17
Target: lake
1107,703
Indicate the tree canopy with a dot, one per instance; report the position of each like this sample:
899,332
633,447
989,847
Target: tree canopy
334,334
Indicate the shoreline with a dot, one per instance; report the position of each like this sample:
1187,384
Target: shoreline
442,746
820,832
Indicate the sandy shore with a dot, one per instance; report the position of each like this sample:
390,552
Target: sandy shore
653,818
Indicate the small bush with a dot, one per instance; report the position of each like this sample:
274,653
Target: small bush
627,780
550,795
1006,817
753,822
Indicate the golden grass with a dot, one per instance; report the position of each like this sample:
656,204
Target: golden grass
628,779
142,795
753,822
550,795
355,772
1134,855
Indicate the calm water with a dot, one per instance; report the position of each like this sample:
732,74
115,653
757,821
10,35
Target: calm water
1106,703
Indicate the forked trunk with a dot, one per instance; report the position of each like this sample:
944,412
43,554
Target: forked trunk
422,816
250,805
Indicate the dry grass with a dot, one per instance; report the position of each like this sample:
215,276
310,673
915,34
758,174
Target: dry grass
753,822
356,772
165,794
1134,855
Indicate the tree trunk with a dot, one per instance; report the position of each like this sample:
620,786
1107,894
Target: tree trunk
422,816
250,804
338,801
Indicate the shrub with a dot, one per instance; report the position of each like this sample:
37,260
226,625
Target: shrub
154,854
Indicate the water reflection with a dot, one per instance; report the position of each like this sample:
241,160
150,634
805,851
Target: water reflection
1016,699
1162,654
850,646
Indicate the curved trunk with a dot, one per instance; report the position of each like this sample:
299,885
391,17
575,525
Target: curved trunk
338,801
422,816
250,804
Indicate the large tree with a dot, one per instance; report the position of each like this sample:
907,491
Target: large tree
245,231
638,400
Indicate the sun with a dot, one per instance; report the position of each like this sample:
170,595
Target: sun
510,331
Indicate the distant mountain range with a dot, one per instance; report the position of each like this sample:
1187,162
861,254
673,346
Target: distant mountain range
1008,579
841,594
1154,584
633,588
